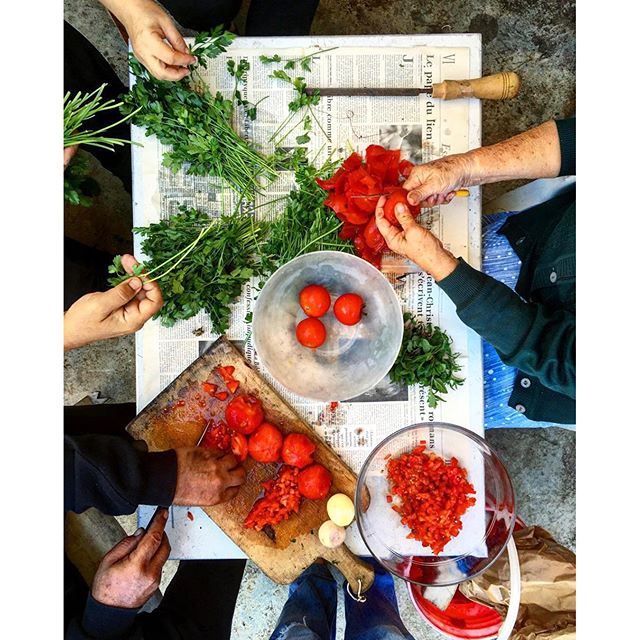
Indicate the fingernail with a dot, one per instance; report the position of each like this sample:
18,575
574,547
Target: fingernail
139,532
413,198
135,283
400,208
165,514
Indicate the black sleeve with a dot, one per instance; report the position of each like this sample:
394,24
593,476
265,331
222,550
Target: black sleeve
567,135
109,473
101,621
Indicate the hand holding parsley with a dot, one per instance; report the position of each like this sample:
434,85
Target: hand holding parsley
109,314
150,28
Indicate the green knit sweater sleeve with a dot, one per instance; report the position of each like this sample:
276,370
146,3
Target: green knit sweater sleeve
528,336
567,135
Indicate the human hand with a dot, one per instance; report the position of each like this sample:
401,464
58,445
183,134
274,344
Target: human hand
415,242
150,28
130,573
206,477
68,154
436,182
109,314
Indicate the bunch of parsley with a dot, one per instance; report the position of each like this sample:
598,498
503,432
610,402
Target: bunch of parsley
426,358
215,259
196,123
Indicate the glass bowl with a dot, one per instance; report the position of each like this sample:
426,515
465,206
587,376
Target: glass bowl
486,526
353,358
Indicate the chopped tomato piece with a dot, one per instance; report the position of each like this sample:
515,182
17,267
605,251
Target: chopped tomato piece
209,387
233,385
239,446
281,498
221,395
432,496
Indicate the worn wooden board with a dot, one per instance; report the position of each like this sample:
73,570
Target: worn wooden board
295,544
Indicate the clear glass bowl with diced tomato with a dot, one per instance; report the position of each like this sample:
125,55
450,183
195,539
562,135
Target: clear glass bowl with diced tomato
434,504
351,359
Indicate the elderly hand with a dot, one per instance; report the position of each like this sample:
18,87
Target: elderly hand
436,182
155,40
109,314
130,573
415,242
68,153
206,477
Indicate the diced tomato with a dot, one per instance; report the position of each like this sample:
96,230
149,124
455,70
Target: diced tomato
314,482
244,413
233,385
265,443
373,238
217,436
209,387
225,372
281,499
297,450
348,231
433,495
239,446
221,395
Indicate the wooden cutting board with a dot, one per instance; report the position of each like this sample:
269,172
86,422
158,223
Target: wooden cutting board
294,544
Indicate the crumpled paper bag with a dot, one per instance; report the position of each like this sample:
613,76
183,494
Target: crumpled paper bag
548,597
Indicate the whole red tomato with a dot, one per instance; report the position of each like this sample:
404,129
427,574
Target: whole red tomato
311,333
314,482
315,300
297,450
244,414
239,446
265,443
348,308
398,196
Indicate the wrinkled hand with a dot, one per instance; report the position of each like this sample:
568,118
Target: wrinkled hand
415,242
436,182
68,154
155,40
109,314
130,573
206,477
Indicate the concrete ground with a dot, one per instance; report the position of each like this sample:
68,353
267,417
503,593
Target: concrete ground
534,37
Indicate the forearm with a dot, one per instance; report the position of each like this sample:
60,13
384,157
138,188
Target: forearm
125,9
529,155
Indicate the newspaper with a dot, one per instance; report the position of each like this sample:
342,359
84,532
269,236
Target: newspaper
423,128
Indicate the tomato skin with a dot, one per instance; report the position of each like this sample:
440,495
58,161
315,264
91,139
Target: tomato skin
239,446
314,482
348,308
244,413
311,333
373,238
265,443
298,450
398,196
314,300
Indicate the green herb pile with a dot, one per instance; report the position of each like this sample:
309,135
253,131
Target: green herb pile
79,188
215,259
305,224
426,358
196,123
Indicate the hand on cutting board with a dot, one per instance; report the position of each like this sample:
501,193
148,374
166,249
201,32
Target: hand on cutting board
109,314
155,40
206,477
436,182
130,573
415,242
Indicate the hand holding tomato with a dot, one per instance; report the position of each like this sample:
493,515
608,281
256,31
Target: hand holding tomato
415,242
436,182
206,477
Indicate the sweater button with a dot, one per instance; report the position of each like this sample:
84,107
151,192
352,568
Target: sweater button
520,240
525,383
521,408
553,276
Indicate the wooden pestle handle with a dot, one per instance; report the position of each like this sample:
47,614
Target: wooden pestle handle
499,86
358,573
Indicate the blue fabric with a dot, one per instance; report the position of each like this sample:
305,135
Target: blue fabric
310,611
500,262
